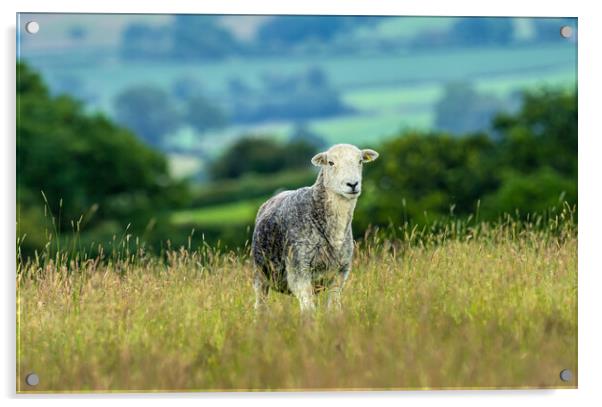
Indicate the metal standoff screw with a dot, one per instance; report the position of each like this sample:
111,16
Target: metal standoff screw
32,379
566,375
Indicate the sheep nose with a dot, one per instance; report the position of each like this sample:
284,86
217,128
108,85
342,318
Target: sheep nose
352,186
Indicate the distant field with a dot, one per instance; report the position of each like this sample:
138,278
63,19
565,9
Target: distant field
344,72
183,165
387,97
388,92
240,212
369,129
496,308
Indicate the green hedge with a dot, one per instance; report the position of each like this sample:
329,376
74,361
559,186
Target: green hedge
249,187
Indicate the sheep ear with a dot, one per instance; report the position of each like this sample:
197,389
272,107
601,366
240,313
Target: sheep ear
369,155
319,159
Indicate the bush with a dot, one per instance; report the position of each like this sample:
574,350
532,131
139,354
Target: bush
261,155
529,165
538,192
421,177
83,162
250,186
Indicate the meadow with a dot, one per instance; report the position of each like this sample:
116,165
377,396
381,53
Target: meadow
462,305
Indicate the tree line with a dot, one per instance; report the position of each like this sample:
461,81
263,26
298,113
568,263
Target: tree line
524,163
81,171
153,113
202,37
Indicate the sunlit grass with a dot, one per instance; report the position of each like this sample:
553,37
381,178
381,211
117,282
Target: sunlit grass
471,305
240,212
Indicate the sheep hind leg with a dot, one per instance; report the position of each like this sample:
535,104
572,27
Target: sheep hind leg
262,289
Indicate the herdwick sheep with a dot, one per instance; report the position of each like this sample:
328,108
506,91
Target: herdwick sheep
302,241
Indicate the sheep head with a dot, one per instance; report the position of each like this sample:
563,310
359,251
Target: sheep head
341,167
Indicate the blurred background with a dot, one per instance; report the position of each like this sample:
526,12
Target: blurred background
172,129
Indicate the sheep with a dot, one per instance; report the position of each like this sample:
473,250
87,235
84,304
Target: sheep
302,241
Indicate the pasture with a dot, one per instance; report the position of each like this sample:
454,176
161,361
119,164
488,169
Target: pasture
462,306
240,212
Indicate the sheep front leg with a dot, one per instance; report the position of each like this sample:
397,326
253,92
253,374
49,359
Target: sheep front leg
334,292
299,282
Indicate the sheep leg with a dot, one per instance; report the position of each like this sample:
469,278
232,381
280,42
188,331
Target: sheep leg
334,292
299,282
262,288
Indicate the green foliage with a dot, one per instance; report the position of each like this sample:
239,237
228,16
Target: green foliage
543,133
536,192
250,186
90,170
238,213
529,166
261,155
421,177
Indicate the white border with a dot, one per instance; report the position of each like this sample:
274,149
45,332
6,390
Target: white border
590,136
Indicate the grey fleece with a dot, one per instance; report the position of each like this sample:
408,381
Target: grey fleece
294,241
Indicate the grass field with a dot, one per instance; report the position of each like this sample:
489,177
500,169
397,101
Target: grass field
234,213
476,306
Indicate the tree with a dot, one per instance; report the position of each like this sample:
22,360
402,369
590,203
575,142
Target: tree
542,134
419,177
529,164
204,115
537,154
147,111
291,97
536,192
82,161
463,110
261,155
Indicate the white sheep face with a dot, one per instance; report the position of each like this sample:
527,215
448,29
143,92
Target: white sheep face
342,168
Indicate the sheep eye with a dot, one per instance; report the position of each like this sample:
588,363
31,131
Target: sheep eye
361,161
330,163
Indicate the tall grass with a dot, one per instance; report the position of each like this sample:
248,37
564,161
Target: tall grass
462,305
